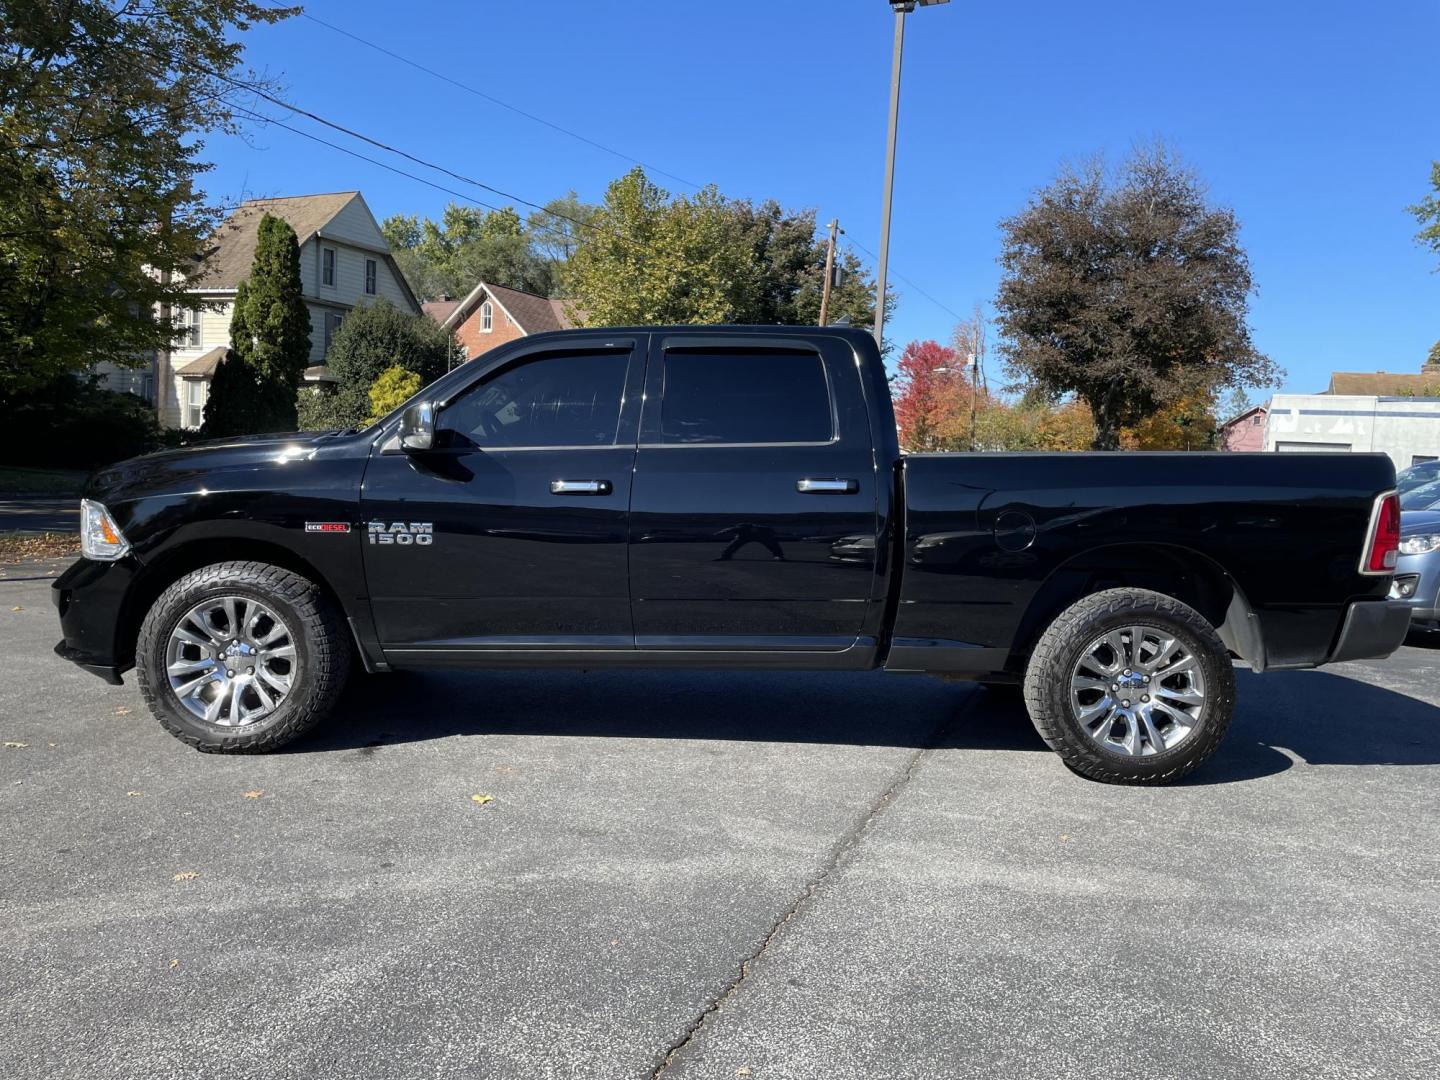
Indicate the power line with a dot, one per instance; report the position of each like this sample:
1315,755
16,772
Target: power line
490,97
943,307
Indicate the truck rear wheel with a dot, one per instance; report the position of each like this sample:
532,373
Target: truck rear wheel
241,657
1130,686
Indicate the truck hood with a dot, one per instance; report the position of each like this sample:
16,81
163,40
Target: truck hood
216,463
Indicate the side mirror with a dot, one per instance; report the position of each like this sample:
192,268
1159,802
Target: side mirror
417,427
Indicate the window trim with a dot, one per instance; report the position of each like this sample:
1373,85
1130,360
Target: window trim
630,388
703,343
333,321
487,317
193,336
329,267
372,277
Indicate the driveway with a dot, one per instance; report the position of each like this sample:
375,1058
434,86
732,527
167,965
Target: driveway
24,513
711,875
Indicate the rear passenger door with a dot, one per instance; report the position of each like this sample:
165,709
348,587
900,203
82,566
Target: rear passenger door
753,521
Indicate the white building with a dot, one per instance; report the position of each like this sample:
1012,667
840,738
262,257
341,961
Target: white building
344,261
1405,427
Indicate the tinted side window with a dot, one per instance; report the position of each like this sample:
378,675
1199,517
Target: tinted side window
559,399
745,397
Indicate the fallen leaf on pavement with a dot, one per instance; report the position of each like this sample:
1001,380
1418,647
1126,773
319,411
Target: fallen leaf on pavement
1064,836
174,964
17,607
187,875
744,1070
254,794
134,794
122,711
482,799
16,745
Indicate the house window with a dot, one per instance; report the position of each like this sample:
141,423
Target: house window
327,267
190,328
332,326
370,277
196,392
487,316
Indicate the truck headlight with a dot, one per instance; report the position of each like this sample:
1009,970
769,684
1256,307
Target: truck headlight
1419,545
100,537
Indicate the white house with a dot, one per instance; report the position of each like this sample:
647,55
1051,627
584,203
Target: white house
344,261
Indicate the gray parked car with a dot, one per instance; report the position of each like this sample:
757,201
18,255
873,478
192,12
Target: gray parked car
1417,570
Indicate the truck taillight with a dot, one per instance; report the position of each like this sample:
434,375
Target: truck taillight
1382,545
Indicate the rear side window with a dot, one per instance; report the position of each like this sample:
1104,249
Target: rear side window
558,399
745,397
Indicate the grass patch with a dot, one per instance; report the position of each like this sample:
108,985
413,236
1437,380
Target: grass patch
17,546
15,480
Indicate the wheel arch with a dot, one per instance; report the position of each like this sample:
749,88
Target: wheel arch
161,571
1173,570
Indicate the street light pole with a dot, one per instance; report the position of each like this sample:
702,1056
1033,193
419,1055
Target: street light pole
901,9
884,260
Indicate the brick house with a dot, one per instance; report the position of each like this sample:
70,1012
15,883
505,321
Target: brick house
494,314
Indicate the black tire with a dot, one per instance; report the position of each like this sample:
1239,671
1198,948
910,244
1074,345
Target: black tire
321,646
1060,649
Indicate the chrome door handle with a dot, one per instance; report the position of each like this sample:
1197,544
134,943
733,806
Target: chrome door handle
581,487
812,485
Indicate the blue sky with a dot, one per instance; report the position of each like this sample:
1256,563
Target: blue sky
1316,122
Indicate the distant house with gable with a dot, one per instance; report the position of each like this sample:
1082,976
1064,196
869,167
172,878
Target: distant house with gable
494,314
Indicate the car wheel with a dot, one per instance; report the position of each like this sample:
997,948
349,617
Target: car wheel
241,657
1130,686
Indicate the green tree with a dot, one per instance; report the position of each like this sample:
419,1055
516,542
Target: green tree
1126,290
651,259
791,271
393,388
269,341
557,231
1427,213
101,103
371,340
466,246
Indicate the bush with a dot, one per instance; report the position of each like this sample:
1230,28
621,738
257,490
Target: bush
317,408
393,388
71,423
234,405
372,339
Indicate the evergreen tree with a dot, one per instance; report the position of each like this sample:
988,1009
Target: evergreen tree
269,341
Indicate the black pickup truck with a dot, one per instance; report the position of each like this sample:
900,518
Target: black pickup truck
722,497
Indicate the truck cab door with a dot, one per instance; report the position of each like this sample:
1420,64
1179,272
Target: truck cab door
754,523
510,535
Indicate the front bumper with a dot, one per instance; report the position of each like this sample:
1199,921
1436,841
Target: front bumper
90,598
1372,629
1420,576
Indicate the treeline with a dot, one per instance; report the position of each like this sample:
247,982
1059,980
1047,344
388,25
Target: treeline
641,256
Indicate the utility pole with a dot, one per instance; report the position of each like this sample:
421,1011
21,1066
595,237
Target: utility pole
829,272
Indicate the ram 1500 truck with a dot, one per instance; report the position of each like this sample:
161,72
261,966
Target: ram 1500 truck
722,497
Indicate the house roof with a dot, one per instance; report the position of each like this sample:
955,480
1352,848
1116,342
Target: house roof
533,314
1384,383
232,245
1245,415
440,310
203,367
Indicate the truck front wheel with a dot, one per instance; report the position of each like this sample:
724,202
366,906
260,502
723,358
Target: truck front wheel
241,657
1130,686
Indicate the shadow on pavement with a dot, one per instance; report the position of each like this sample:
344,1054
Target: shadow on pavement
1320,718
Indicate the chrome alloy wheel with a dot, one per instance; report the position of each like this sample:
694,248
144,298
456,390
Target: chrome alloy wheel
1137,691
231,661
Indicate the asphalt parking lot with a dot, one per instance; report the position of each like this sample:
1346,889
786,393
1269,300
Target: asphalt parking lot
711,875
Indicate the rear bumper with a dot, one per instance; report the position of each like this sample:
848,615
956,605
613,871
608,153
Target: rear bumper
1372,629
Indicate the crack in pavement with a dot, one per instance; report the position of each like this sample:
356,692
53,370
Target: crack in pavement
839,857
